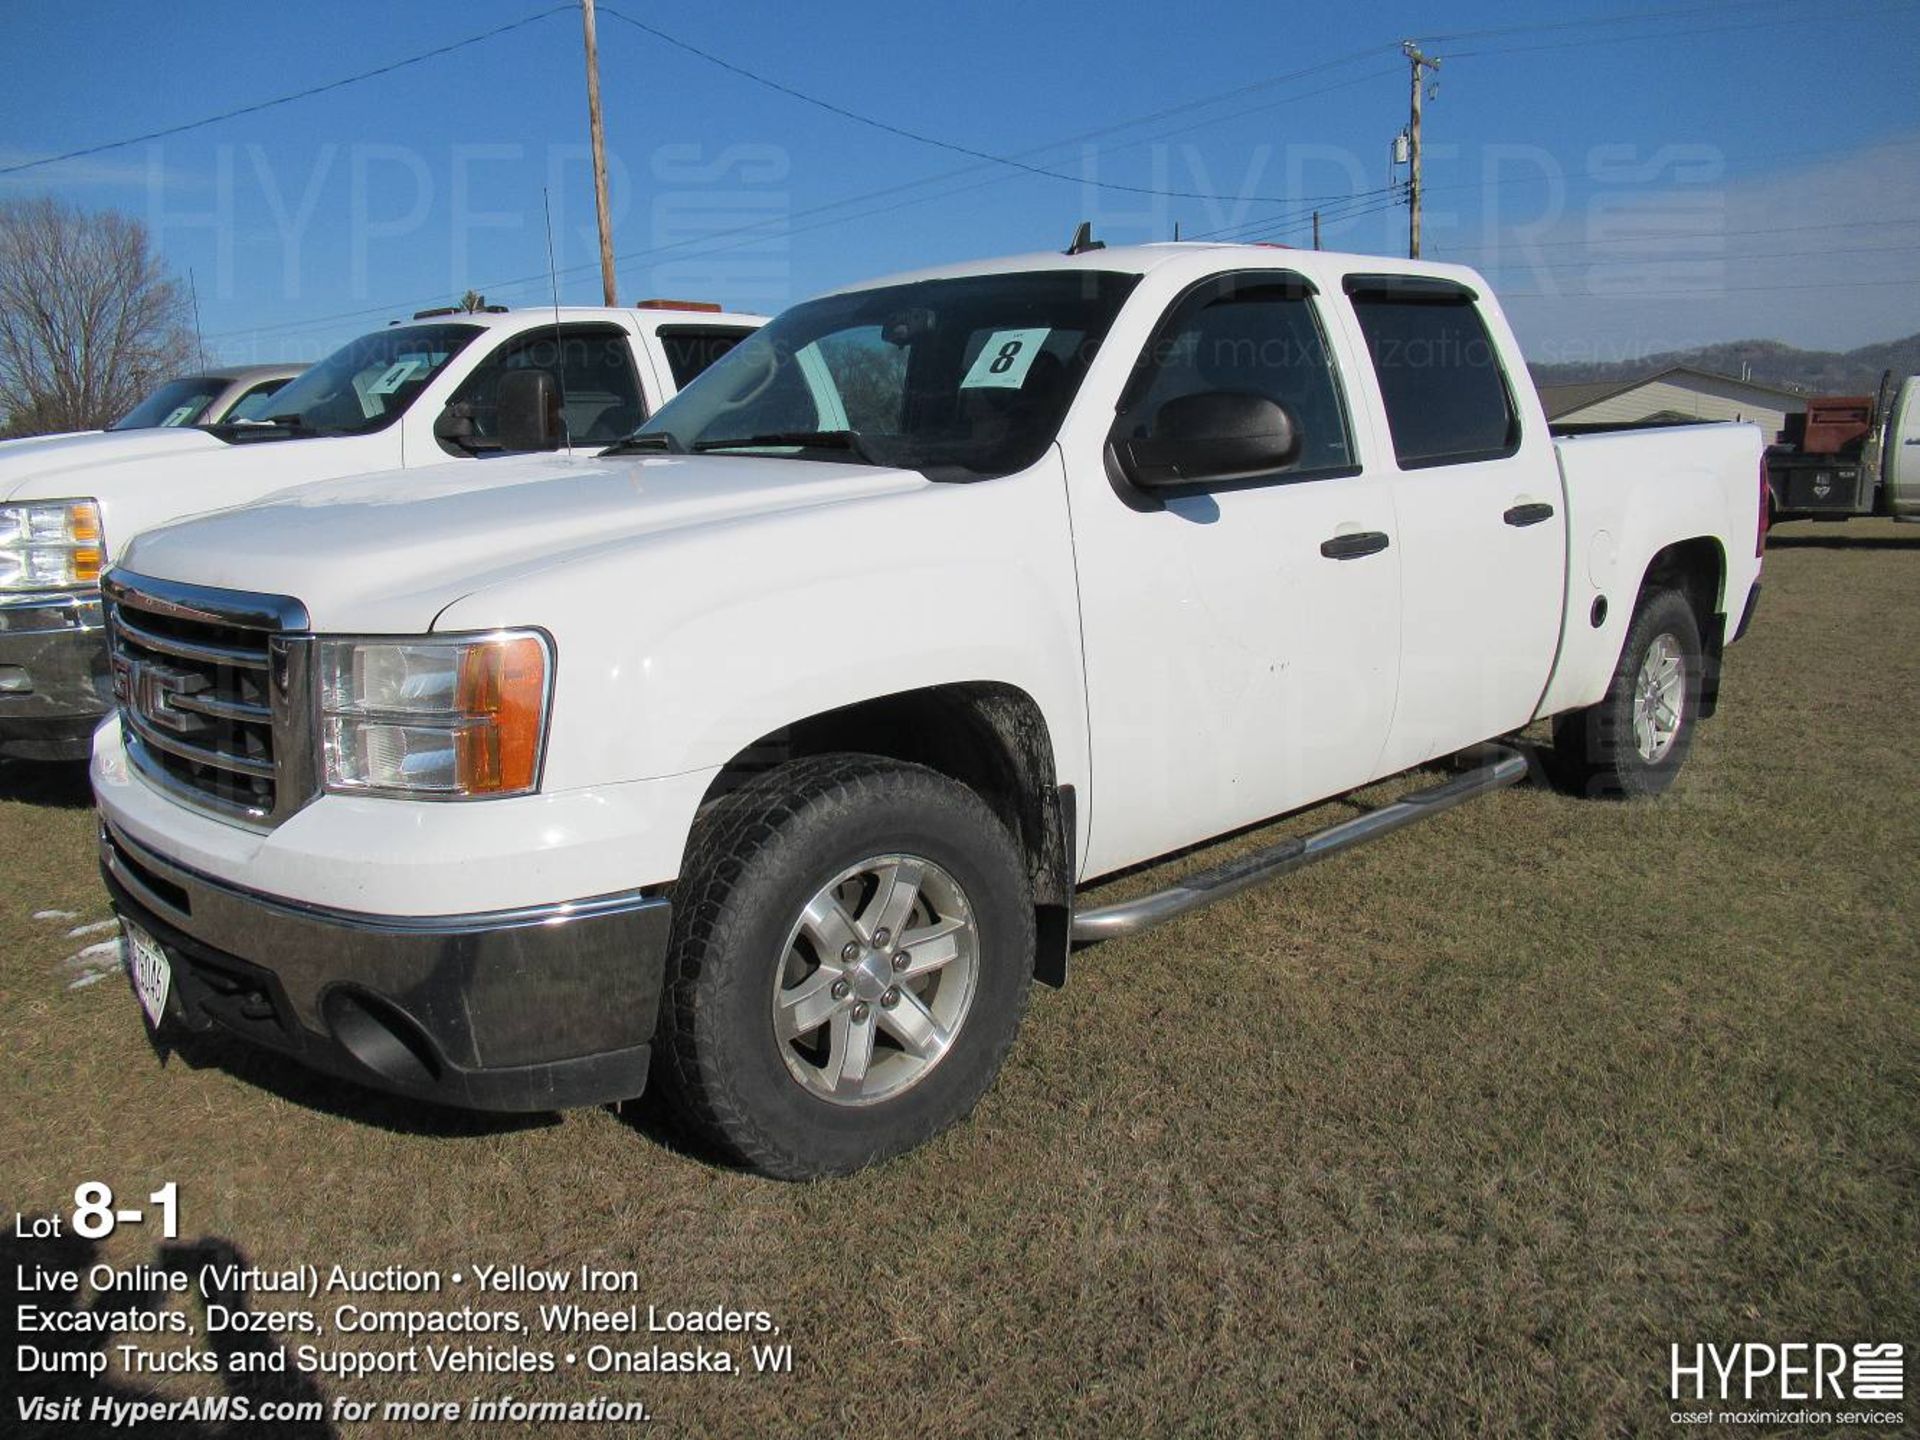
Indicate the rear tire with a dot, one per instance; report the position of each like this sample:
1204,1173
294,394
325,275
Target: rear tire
794,1034
1634,741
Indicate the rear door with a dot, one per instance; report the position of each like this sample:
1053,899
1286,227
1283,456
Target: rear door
1483,533
1241,639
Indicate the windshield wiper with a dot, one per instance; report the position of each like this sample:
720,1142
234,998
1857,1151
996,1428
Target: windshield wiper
280,427
850,440
662,440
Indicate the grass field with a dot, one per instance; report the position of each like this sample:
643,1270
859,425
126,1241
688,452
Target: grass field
1453,1136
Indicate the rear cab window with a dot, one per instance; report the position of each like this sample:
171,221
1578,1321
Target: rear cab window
690,349
1447,397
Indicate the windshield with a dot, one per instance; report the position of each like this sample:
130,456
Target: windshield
178,402
257,403
366,384
970,375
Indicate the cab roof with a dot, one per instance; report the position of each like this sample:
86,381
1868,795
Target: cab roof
531,316
1198,256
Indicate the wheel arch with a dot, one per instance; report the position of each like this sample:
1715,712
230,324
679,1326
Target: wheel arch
991,737
1697,569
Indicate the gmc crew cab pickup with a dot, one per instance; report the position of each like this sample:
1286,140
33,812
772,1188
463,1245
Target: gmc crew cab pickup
765,752
449,386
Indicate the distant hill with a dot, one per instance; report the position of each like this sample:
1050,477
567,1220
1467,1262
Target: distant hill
1817,372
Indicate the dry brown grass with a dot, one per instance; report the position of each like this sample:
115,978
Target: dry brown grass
1453,1136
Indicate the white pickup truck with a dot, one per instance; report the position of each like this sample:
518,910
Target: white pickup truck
207,397
448,386
766,752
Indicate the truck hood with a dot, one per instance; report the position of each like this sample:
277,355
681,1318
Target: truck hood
55,467
389,551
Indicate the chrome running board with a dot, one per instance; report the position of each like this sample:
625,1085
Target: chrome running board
1499,766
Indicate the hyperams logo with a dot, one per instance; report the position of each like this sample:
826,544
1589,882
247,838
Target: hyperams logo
1749,1382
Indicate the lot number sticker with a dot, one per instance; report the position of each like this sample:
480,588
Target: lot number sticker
397,374
1004,360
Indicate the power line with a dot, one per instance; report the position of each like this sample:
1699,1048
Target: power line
1870,11
1713,292
1631,17
753,231
306,94
1646,260
1346,205
1680,237
919,137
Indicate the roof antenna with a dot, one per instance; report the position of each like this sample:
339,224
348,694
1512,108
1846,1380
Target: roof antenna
559,345
199,341
1083,240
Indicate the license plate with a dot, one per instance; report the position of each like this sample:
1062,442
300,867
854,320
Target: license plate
152,974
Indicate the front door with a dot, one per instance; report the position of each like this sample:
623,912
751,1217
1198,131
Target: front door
1242,639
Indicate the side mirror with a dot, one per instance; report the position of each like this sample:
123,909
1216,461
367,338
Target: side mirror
1217,435
527,411
454,424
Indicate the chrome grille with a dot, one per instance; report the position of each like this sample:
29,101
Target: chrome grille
212,693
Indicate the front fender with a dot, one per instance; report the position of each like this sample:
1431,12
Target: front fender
679,651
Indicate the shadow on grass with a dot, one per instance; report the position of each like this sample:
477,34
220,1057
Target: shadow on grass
284,1077
653,1119
71,1372
60,785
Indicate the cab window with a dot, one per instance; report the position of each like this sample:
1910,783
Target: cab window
256,403
1247,334
592,365
1447,399
691,349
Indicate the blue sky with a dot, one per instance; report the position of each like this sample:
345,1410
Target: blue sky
1713,171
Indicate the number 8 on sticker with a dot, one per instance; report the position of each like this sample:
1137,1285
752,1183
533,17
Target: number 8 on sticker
1005,359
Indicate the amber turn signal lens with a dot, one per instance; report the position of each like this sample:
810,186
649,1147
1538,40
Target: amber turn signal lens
503,682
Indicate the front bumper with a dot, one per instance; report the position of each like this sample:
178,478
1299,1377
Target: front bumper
527,1010
55,684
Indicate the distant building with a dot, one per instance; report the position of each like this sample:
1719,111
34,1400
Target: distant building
1680,393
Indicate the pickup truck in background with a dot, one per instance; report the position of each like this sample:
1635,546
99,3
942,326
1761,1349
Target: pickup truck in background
241,392
448,386
766,753
1850,455
212,397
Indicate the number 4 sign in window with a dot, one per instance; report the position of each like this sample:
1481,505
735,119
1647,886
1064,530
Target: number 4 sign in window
1004,360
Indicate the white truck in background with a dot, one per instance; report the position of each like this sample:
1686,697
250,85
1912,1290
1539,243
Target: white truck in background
766,753
448,386
206,397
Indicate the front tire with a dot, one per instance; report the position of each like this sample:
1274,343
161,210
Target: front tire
1634,741
853,945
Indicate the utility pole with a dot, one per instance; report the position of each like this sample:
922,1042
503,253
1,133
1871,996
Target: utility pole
1316,229
599,153
1420,64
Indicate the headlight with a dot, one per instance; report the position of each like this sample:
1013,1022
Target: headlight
452,718
50,545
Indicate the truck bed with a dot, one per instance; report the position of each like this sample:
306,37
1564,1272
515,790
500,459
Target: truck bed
1630,493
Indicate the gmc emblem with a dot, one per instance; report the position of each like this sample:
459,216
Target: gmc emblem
151,688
